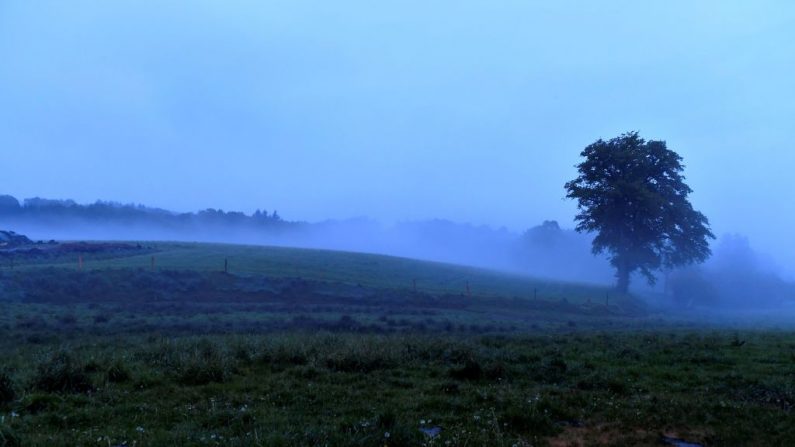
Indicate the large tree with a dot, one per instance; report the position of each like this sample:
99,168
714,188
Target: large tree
631,193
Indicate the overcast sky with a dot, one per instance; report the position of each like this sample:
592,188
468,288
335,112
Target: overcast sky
473,111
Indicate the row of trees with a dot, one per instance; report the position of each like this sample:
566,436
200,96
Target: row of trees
102,211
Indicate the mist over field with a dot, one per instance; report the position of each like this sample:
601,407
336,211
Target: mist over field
397,223
546,250
736,276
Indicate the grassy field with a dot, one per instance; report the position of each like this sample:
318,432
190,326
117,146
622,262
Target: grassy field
334,266
308,347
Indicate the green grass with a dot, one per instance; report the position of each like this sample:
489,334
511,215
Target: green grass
342,389
311,347
352,268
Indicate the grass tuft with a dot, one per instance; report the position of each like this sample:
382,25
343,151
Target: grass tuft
61,373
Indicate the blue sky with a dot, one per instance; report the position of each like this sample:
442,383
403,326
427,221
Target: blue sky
473,111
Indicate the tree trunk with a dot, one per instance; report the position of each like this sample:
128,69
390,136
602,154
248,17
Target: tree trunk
623,278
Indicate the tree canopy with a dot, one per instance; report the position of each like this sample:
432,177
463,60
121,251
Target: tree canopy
632,194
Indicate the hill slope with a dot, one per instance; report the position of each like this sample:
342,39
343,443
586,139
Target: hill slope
346,267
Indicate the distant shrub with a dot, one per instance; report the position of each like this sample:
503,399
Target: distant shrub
7,392
61,374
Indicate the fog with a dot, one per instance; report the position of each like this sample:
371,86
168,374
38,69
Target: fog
370,122
737,276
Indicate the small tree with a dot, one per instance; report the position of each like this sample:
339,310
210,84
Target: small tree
632,194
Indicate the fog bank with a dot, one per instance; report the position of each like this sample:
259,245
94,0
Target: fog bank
736,276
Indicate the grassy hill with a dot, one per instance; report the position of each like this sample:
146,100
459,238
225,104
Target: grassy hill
369,270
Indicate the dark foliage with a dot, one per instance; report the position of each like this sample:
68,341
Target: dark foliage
38,209
632,194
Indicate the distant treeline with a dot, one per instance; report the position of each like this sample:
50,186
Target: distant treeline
48,210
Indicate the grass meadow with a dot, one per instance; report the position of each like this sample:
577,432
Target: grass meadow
309,347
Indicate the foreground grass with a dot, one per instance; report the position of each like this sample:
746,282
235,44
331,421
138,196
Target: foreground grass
306,347
350,389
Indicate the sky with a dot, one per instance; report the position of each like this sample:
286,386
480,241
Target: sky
475,111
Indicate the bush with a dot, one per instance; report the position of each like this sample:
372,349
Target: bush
61,374
7,392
